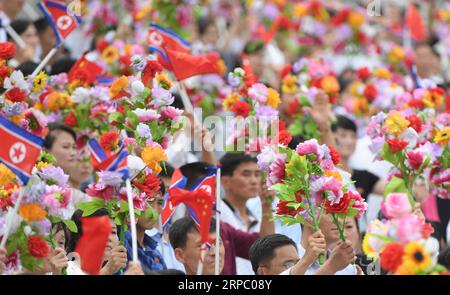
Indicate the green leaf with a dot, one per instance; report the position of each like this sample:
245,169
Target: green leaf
295,128
124,206
116,117
388,156
90,207
352,212
396,185
132,118
71,225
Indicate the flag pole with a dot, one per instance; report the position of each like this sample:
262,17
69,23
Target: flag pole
132,220
45,61
187,101
10,220
15,36
202,258
218,199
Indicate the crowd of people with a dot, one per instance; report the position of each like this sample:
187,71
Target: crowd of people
350,174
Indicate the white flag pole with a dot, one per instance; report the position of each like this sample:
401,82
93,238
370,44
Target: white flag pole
218,199
187,102
45,61
10,219
201,259
132,220
15,36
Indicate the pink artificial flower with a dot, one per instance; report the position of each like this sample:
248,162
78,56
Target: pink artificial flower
170,113
359,204
334,187
409,228
166,141
308,147
327,164
415,158
146,115
101,191
37,122
396,205
139,201
258,92
277,170
56,198
129,141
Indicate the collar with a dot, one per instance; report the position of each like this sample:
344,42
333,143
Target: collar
253,219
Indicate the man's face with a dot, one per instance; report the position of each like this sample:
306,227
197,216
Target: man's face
48,40
329,230
285,257
345,142
427,62
244,182
189,256
256,61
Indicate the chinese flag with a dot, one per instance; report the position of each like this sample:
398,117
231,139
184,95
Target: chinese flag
415,23
199,201
185,65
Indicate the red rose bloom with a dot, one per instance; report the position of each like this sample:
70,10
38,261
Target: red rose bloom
363,73
340,207
37,247
293,107
71,120
7,50
241,108
284,137
415,122
416,103
109,141
149,186
427,230
335,156
284,209
370,92
16,94
391,257
396,145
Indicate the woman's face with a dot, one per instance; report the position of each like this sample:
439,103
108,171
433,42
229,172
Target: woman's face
60,239
65,151
83,170
113,240
30,36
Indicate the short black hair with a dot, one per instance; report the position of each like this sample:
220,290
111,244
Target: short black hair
168,172
204,23
20,25
179,230
230,161
263,249
61,226
27,68
76,217
344,123
63,65
50,138
193,172
41,25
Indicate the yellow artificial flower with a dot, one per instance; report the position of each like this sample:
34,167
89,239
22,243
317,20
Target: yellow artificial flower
230,100
356,88
361,106
289,85
6,175
119,85
396,55
442,136
164,81
367,249
57,100
415,259
396,123
16,119
330,85
39,82
334,173
273,98
432,100
39,106
143,12
300,10
32,212
110,54
152,156
383,73
41,165
355,20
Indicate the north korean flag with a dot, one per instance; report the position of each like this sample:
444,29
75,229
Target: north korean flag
20,149
108,161
60,20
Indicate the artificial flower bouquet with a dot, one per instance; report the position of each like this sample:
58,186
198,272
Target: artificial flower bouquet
402,242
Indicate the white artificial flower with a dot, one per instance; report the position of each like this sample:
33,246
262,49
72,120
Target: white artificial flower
15,80
80,95
28,230
410,136
137,88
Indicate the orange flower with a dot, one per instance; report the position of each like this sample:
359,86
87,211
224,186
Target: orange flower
110,54
273,98
118,87
32,212
330,85
152,155
6,175
57,100
355,20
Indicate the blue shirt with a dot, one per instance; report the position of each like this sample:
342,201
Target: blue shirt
149,256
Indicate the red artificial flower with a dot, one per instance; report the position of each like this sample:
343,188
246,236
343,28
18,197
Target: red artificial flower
415,122
396,145
392,257
109,141
285,71
294,107
284,137
335,156
341,207
363,73
125,65
370,92
71,120
427,230
7,50
150,185
284,209
16,94
281,125
361,37
151,68
415,159
37,247
416,103
101,45
241,108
